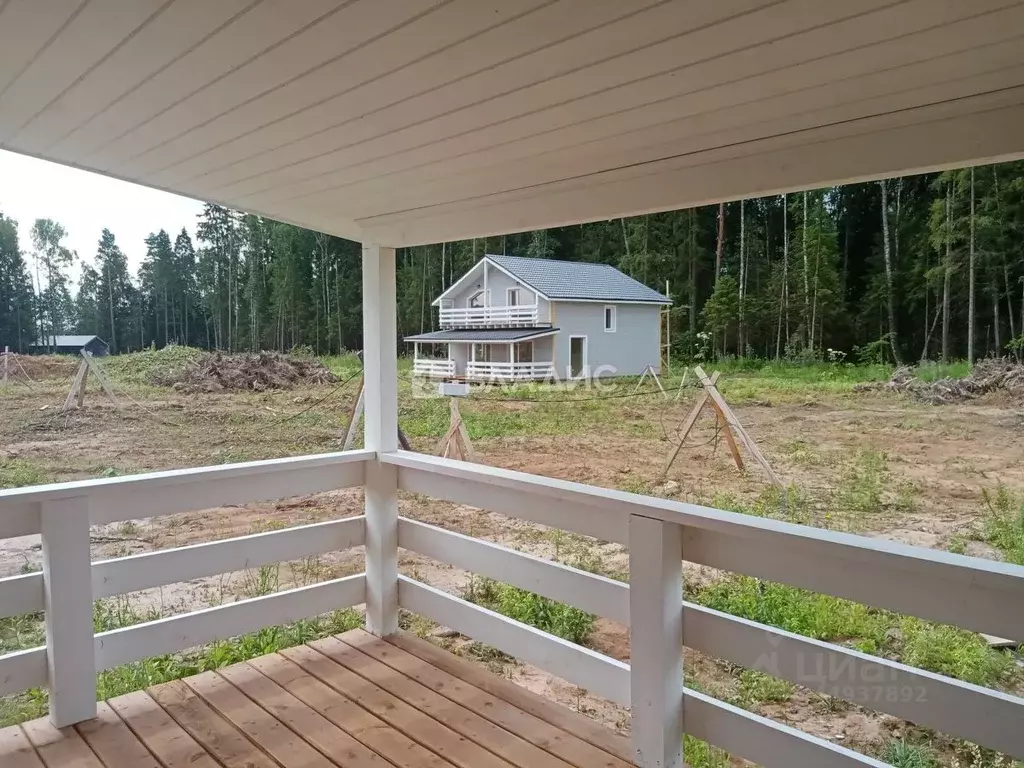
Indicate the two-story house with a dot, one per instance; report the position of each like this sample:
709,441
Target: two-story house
511,318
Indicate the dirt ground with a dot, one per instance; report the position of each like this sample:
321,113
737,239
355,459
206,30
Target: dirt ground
873,463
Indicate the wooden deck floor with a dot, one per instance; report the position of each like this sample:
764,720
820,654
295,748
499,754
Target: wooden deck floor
352,701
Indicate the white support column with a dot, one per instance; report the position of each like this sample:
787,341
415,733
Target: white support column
70,654
380,364
656,642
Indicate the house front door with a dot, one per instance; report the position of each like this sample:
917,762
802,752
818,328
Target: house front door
577,355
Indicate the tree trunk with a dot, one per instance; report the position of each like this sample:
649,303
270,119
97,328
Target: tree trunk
890,298
947,273
970,284
110,305
720,243
741,345
1006,265
809,341
785,276
994,291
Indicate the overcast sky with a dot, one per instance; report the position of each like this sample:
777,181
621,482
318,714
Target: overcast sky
84,203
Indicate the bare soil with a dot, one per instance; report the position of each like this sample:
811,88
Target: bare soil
937,462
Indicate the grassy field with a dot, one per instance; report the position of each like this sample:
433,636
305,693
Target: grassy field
875,463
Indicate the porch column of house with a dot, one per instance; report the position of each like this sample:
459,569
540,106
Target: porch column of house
380,365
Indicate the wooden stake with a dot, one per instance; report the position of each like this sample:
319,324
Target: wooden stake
7,356
353,422
649,371
456,442
76,395
732,421
691,419
102,376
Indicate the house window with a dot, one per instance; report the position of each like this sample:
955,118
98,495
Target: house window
609,319
514,297
481,353
478,299
524,352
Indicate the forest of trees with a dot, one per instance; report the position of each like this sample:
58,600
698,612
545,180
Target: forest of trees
920,267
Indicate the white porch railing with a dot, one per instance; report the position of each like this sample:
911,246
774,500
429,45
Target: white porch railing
437,369
510,371
525,316
977,594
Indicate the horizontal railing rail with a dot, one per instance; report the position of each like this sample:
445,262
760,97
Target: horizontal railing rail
510,371
478,317
133,497
426,367
69,583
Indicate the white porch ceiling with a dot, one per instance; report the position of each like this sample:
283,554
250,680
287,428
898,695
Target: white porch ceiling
412,121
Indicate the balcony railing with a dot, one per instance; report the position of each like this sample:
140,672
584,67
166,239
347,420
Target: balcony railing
507,372
437,369
525,316
659,534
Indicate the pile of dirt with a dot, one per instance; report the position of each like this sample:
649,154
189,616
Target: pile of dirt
1003,375
218,372
42,366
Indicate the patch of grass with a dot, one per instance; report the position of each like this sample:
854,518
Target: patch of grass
863,483
903,754
14,473
937,648
141,367
1004,523
700,754
758,688
954,652
549,616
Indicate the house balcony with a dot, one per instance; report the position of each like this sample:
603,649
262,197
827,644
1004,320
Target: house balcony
509,372
524,316
356,699
433,369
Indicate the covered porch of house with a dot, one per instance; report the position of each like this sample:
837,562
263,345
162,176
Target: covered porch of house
400,124
499,356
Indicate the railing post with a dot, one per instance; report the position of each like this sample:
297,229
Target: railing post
656,642
380,364
67,583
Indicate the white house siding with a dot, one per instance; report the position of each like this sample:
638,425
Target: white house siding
543,349
635,344
498,284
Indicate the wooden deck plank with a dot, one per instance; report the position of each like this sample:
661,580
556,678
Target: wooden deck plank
113,742
556,741
401,716
262,728
346,714
215,734
171,744
555,714
317,730
506,744
15,749
61,748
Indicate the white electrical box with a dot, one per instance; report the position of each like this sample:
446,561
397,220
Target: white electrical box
453,389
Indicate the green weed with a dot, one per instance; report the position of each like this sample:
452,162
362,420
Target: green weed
1004,523
549,616
15,473
903,754
758,688
700,754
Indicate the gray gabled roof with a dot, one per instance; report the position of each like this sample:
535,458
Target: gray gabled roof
67,341
578,280
485,334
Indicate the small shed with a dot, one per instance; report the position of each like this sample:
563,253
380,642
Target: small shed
73,345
